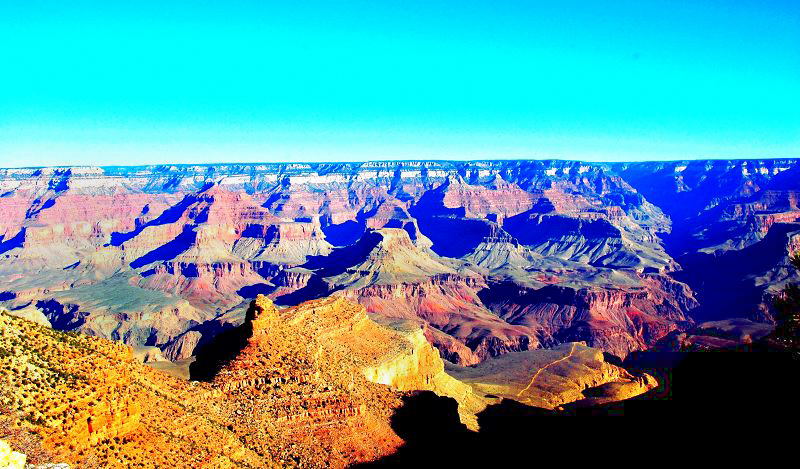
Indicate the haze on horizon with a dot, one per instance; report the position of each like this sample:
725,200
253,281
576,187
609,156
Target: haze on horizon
98,83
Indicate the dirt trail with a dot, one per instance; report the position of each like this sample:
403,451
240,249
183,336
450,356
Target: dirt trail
535,375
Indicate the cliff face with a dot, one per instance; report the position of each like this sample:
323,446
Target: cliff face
170,256
285,399
330,347
313,385
291,379
86,401
732,228
619,320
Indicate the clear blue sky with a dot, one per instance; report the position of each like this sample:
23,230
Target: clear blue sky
90,82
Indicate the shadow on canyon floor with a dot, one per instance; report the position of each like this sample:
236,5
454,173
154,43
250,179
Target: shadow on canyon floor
725,283
698,391
214,354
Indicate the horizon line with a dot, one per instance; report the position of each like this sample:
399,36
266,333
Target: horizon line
405,160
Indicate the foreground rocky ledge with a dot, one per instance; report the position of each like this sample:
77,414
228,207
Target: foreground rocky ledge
312,385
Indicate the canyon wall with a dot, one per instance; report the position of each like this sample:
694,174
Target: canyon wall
315,385
488,257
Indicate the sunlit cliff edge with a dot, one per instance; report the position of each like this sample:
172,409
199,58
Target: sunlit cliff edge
312,385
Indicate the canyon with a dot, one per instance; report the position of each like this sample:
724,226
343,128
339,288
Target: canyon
315,385
489,257
293,314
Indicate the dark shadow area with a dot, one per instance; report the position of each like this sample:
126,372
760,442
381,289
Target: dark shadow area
698,391
439,223
251,291
36,208
60,181
7,295
219,350
724,284
340,259
276,200
254,231
316,288
532,229
170,215
434,435
344,234
21,306
611,358
453,237
14,242
64,317
749,380
432,431
189,270
169,250
706,179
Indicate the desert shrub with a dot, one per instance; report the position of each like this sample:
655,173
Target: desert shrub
787,306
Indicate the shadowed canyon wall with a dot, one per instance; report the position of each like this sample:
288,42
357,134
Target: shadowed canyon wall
486,257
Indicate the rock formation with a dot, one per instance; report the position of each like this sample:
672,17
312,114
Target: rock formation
491,257
549,378
312,385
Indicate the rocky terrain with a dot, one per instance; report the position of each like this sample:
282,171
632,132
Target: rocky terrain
561,376
486,257
310,386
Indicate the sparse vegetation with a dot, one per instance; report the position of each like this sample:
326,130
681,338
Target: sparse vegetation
787,305
92,405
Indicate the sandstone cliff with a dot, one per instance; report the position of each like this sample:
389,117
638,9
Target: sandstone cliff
312,385
169,256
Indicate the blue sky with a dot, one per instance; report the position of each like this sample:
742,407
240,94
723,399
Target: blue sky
91,82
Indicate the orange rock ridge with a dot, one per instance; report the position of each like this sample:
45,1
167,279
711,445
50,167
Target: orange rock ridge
313,385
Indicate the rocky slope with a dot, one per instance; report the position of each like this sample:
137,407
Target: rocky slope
314,385
562,375
491,256
69,397
88,402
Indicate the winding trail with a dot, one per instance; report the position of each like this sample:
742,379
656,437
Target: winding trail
535,375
